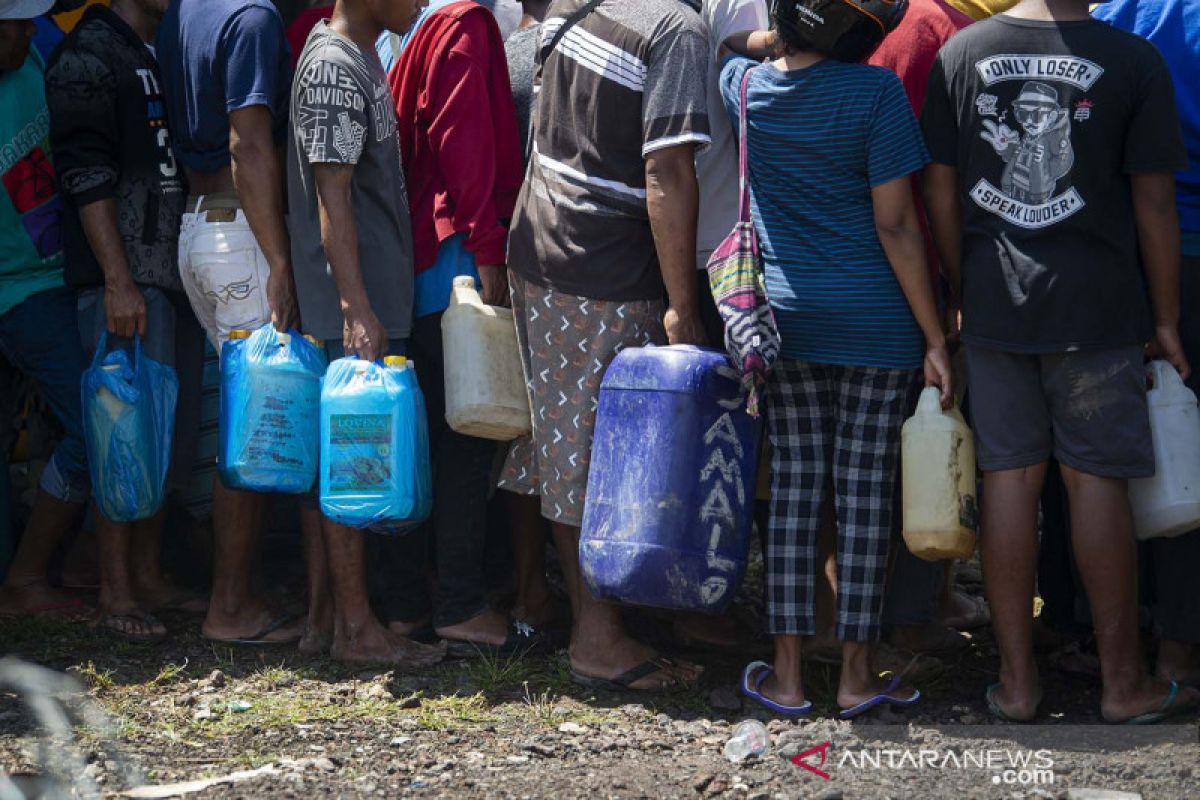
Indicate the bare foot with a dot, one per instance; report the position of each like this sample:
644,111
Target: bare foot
405,628
1149,697
38,598
552,612
965,612
486,627
160,594
851,693
377,645
132,624
625,654
1015,706
772,689
723,630
262,627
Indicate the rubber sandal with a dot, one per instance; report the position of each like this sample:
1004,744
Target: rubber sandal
521,638
260,639
621,683
1163,712
764,670
883,697
115,624
997,710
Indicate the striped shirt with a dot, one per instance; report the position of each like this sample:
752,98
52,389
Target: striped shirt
625,81
820,139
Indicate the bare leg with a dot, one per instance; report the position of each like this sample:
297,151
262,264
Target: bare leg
535,603
27,586
1009,552
859,682
358,637
152,588
600,647
1104,547
236,608
785,685
318,636
117,597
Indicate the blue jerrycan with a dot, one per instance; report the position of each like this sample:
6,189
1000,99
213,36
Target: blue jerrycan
128,425
671,484
270,406
375,470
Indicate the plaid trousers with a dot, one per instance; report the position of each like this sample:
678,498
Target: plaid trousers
839,423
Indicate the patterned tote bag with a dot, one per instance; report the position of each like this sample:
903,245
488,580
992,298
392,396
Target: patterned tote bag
736,278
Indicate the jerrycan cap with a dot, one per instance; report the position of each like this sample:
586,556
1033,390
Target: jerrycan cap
464,282
394,361
314,341
237,334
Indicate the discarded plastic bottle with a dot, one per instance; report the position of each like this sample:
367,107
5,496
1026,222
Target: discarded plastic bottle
750,740
1168,504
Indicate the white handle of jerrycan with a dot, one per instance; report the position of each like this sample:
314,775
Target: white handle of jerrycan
930,401
1165,379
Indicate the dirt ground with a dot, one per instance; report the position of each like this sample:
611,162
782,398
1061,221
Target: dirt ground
287,726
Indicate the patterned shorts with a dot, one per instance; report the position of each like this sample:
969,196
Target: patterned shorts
567,342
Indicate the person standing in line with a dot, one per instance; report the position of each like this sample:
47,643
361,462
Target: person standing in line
225,72
352,247
606,217
38,332
1051,197
1173,26
124,196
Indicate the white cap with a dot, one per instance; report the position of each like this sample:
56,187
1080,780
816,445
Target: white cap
24,9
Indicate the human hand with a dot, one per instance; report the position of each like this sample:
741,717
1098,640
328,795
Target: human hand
1000,137
1166,345
363,335
125,309
281,298
494,280
683,328
939,373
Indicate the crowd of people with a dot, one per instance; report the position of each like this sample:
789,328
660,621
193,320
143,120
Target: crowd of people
1017,193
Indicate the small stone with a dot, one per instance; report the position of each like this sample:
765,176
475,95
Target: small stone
717,785
324,764
759,796
572,728
285,680
399,740
725,698
217,679
375,691
702,780
633,710
517,759
1101,794
544,750
829,794
412,701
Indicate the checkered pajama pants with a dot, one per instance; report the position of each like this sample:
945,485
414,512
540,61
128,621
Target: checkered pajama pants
842,424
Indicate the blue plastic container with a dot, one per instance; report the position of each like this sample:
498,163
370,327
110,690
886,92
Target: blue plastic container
270,412
671,485
128,426
375,470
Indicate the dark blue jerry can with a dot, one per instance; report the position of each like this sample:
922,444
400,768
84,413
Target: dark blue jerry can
671,484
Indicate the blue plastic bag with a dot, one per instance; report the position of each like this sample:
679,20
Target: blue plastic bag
270,407
375,470
128,424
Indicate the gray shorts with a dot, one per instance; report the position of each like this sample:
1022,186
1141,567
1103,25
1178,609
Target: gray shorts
1087,409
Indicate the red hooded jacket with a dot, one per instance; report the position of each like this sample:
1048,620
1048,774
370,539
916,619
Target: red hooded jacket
458,133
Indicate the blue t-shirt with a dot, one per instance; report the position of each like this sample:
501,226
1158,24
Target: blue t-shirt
820,139
217,56
1174,27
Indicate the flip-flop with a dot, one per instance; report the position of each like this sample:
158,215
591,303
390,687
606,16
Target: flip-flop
70,611
1163,712
260,639
621,683
521,638
997,710
764,670
114,624
883,697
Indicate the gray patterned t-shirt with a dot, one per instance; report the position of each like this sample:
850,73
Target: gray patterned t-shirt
342,113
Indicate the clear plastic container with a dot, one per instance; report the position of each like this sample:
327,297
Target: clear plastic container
1168,504
750,739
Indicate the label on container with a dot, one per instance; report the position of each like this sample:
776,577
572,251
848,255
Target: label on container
283,411
360,452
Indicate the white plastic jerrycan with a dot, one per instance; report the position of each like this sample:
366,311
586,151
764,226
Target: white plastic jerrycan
938,477
1169,503
485,385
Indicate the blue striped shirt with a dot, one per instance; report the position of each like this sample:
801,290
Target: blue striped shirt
820,139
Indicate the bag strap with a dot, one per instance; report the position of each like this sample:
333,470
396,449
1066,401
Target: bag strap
743,149
570,22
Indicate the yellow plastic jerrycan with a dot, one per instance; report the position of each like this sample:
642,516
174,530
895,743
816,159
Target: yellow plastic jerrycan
1168,504
938,476
485,384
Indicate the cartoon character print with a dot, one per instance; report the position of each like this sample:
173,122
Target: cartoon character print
1037,158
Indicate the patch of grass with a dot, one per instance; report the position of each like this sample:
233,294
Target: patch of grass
438,713
97,679
169,673
541,706
494,673
273,674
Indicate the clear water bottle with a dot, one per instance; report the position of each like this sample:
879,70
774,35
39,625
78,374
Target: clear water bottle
750,739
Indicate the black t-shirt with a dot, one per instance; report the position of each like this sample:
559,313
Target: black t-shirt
1044,122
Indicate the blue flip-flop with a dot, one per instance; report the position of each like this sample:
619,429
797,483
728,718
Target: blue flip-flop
755,692
883,697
